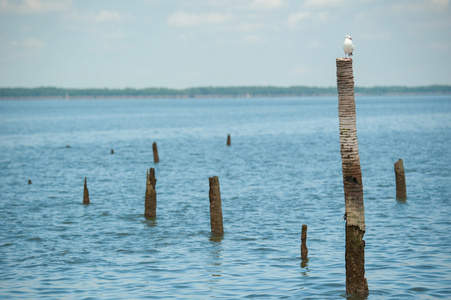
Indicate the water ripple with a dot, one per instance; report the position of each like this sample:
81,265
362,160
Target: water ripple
282,170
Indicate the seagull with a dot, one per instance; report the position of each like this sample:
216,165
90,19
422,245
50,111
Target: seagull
348,46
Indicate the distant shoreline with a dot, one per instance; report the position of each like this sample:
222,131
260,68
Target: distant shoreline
211,92
207,96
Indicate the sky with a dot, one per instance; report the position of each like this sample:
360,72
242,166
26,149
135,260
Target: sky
193,43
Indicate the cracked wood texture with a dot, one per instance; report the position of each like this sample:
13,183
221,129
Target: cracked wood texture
85,194
304,249
156,158
356,283
400,180
215,207
150,203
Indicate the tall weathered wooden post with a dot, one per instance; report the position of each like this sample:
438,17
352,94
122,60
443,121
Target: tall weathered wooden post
304,249
150,203
156,159
356,282
85,194
215,207
228,140
400,180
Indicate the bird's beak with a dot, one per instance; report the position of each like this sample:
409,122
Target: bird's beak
350,38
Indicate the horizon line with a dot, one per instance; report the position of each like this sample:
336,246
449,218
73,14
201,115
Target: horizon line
219,86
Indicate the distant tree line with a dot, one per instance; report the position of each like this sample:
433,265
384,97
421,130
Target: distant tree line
381,90
243,91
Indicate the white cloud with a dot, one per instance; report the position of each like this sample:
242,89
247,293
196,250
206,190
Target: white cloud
252,39
107,16
313,44
151,2
316,11
99,17
301,70
31,43
440,2
247,27
314,16
294,18
34,6
441,46
324,3
183,19
246,4
266,4
113,35
420,6
380,35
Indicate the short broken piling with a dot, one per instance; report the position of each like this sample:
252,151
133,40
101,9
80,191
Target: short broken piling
304,249
85,194
215,207
228,140
156,159
400,180
150,203
356,282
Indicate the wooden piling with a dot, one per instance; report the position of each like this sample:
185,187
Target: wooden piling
29,181
304,249
150,203
85,194
400,180
112,151
156,159
215,207
228,140
356,282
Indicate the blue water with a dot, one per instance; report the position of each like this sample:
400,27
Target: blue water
282,170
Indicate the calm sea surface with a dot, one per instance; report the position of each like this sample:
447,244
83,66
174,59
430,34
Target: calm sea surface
282,170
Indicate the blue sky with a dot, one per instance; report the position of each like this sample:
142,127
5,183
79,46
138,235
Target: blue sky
187,43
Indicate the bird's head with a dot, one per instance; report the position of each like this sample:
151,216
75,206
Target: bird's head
348,37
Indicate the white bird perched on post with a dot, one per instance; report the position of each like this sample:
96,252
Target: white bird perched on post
348,46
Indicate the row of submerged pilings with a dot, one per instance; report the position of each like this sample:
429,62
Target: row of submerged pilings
216,219
355,225
356,283
150,199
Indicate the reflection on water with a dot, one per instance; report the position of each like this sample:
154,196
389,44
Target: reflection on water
214,259
216,238
304,263
282,170
150,221
401,200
